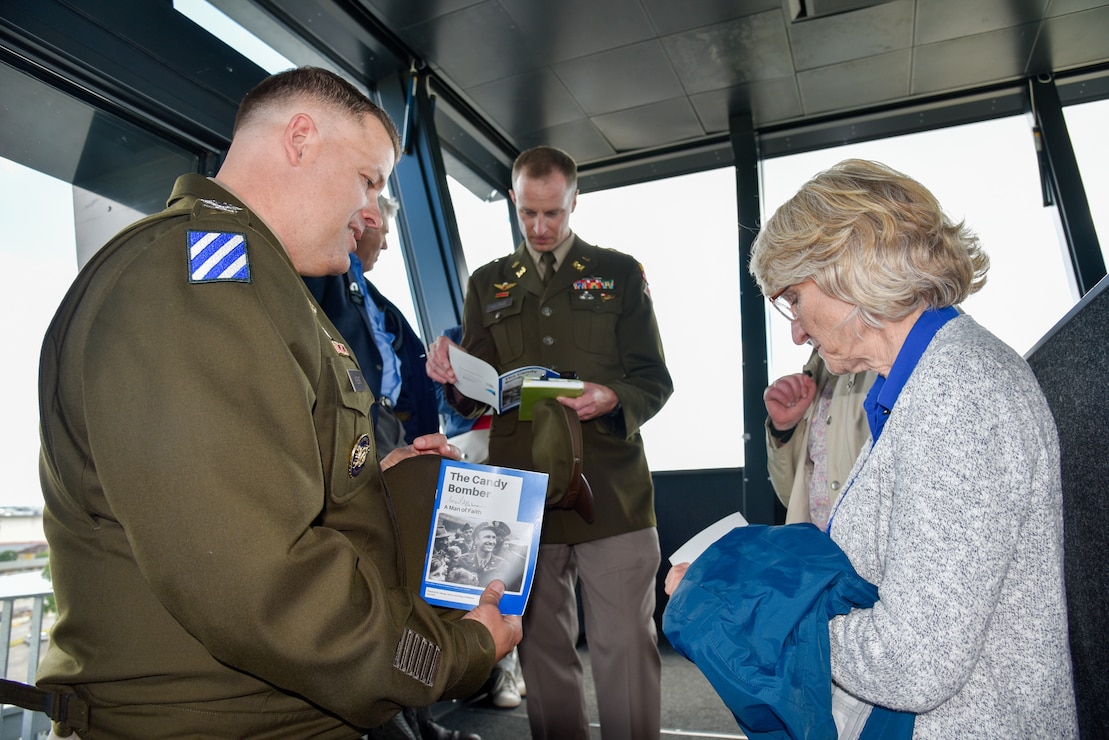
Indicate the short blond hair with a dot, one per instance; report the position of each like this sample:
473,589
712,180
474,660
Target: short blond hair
872,237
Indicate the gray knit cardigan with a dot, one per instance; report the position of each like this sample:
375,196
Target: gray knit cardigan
956,515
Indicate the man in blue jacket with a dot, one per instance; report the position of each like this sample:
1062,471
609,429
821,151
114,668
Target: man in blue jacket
389,352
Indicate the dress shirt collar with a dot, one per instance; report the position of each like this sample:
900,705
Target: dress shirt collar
560,252
883,394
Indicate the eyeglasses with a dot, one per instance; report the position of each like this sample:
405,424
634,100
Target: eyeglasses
784,305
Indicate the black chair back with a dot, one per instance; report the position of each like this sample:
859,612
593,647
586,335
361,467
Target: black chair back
1071,363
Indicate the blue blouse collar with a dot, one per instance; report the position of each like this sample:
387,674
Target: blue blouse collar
883,394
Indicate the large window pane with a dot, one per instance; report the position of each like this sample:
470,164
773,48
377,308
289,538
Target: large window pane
390,276
72,176
985,173
1087,124
483,224
38,261
683,231
205,15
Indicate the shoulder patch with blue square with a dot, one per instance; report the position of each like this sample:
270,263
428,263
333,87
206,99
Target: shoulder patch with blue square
218,256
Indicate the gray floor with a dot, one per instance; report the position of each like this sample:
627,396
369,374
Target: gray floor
690,708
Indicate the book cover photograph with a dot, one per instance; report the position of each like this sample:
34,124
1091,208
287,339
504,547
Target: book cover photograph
485,526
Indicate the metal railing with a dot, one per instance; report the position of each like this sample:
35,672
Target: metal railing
24,627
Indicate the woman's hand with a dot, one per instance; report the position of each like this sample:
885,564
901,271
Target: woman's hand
787,399
674,577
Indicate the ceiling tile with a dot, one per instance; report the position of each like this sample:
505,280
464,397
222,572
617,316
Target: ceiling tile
768,101
399,14
845,36
477,44
1063,7
855,84
601,77
1072,40
557,30
987,57
527,102
674,17
732,53
580,139
940,20
644,70
652,125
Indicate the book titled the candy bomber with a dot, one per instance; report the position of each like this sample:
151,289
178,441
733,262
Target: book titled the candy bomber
485,526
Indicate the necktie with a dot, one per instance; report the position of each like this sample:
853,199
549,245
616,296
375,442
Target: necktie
547,259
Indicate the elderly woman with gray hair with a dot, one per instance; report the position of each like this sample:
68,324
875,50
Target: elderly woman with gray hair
954,507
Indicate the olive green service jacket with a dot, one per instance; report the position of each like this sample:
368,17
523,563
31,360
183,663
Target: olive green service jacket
224,554
595,318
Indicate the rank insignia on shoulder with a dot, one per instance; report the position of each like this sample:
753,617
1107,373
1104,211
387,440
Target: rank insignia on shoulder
217,256
358,455
218,206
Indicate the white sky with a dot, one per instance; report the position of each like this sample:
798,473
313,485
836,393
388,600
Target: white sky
38,260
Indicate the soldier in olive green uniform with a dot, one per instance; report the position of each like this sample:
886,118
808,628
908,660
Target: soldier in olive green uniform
593,316
225,557
594,319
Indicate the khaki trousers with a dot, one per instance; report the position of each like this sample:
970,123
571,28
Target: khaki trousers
617,576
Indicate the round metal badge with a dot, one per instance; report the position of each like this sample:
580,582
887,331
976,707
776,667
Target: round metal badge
358,455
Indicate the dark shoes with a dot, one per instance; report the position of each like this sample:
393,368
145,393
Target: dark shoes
432,731
418,722
556,448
